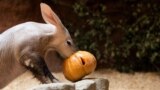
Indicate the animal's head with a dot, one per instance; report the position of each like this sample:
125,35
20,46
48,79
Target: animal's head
61,40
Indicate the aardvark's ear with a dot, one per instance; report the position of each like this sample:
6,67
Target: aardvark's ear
49,16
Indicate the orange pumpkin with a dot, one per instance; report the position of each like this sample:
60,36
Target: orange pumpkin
79,65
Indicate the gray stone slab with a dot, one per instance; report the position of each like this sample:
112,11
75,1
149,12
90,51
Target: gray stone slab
55,86
101,84
85,85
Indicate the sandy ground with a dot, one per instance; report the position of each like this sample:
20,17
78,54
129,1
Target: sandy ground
117,81
124,81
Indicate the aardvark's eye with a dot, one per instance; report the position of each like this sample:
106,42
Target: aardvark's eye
69,42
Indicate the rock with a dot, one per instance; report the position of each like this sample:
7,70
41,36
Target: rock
85,85
102,84
55,86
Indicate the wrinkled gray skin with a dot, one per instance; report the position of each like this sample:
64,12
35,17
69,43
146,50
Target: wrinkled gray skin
27,45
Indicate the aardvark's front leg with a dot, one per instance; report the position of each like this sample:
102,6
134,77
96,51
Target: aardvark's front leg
36,64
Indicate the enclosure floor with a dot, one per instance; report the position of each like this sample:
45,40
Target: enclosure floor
117,80
124,81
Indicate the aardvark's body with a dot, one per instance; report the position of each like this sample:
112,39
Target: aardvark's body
25,46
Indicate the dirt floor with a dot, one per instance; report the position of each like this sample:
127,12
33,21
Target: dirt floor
117,80
124,81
